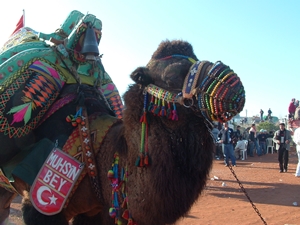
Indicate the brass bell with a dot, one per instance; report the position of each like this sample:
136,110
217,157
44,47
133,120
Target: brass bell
90,44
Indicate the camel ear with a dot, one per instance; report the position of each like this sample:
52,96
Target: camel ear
141,75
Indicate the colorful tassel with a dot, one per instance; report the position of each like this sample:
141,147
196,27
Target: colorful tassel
151,104
174,113
119,179
144,133
112,212
137,161
69,118
157,109
110,174
75,119
163,109
154,106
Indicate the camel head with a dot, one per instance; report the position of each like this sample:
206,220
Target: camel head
174,74
167,122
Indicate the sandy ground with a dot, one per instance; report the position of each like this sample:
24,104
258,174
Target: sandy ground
263,195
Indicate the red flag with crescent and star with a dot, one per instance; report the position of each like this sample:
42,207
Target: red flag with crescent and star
54,182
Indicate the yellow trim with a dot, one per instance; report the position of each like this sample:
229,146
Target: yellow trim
71,80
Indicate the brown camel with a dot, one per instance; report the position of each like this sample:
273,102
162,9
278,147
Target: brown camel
166,169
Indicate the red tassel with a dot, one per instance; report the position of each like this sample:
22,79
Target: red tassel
125,214
124,204
130,221
153,109
141,160
142,119
146,160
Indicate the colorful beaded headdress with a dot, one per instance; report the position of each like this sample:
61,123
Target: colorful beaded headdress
218,91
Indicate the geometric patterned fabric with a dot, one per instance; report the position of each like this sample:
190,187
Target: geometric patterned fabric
24,102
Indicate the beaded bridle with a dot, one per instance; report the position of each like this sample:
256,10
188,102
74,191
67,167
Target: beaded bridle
219,95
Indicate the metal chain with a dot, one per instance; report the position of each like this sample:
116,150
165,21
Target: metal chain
245,192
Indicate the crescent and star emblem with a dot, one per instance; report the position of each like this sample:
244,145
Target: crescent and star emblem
39,194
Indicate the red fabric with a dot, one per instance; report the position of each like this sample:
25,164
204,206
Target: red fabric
292,108
19,25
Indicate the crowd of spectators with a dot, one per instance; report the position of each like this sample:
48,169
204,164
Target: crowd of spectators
231,144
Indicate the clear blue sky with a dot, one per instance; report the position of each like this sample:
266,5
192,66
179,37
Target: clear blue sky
258,39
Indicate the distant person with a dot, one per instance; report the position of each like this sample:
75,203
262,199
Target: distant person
269,117
240,145
282,138
236,135
253,141
297,103
238,132
261,112
226,135
215,132
269,112
246,133
262,138
297,141
271,134
292,109
242,121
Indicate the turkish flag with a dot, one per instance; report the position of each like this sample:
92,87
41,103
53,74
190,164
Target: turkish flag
19,25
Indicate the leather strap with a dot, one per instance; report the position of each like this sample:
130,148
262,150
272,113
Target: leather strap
88,151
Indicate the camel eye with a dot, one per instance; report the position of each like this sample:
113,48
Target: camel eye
174,75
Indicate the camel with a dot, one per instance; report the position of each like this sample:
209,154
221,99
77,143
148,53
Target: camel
163,146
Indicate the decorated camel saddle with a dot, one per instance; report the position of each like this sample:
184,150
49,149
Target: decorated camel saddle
51,84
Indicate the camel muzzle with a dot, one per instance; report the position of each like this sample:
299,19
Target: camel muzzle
212,89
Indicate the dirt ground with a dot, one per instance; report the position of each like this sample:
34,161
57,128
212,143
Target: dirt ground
263,196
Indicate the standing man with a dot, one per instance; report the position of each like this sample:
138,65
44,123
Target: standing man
262,138
226,135
269,114
261,115
282,138
253,141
